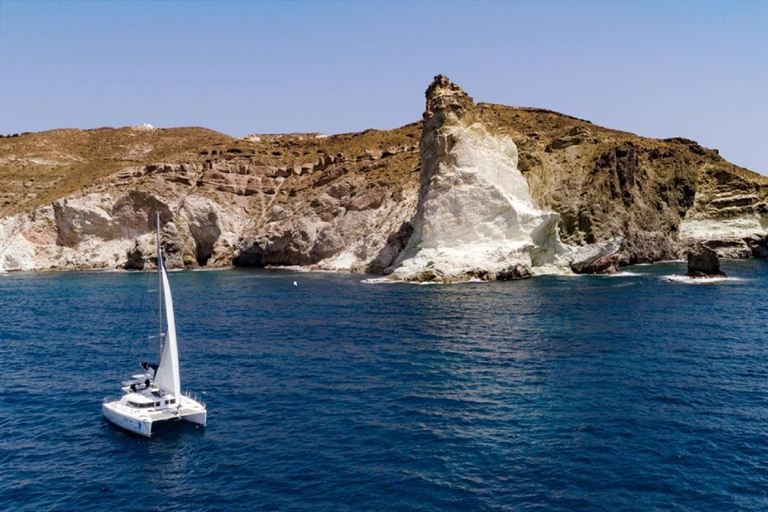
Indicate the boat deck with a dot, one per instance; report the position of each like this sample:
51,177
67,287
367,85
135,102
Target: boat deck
165,415
162,415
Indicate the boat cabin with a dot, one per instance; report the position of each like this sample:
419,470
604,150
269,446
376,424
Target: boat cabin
142,401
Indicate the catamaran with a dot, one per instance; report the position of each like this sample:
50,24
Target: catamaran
153,399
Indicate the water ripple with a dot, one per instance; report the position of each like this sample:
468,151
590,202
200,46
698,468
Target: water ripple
548,394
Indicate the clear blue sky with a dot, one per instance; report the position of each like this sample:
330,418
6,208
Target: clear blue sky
655,68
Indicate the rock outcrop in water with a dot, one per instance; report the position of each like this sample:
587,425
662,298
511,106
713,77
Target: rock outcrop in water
81,199
703,262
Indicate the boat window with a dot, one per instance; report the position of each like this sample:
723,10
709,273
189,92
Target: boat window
157,404
142,406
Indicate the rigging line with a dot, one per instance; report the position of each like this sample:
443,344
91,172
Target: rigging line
143,307
136,344
131,334
160,288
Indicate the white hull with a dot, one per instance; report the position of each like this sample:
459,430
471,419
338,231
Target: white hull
112,411
145,422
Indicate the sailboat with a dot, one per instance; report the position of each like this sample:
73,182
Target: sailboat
153,399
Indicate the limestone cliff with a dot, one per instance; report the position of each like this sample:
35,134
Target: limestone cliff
72,199
475,215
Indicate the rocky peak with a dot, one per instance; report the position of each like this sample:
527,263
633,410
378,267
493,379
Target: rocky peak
444,95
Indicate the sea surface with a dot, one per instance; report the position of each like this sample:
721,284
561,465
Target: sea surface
629,392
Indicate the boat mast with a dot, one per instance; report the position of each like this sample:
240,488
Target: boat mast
167,373
159,286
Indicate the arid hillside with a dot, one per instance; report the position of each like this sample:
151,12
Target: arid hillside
85,198
608,183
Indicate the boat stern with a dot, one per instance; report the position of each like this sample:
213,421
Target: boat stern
193,410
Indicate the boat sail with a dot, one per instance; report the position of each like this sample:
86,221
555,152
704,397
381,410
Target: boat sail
167,374
153,399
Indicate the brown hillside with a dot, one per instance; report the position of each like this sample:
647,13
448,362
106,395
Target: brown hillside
607,183
37,168
604,183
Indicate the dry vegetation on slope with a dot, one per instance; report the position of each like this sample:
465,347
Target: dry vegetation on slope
37,168
607,183
301,198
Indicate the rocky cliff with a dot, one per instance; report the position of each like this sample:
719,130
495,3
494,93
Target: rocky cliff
475,216
659,197
74,199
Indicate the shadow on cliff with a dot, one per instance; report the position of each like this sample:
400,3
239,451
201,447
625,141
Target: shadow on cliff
394,245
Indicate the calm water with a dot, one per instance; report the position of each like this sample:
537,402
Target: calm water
584,393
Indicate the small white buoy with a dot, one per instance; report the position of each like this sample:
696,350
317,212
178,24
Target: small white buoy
294,284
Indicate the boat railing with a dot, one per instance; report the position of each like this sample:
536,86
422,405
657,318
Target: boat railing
194,396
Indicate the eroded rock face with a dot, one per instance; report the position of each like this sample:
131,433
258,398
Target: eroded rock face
660,196
347,221
17,251
598,258
729,214
104,231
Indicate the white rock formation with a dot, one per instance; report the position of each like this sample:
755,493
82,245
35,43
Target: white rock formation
98,230
475,216
16,251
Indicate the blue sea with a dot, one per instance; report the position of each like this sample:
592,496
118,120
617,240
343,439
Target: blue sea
627,392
